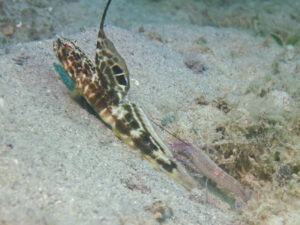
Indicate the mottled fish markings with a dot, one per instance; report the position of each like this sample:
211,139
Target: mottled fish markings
103,85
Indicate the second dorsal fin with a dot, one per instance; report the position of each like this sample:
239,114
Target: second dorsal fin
101,31
110,66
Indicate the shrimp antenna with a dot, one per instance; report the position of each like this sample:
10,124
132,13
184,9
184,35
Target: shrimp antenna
104,14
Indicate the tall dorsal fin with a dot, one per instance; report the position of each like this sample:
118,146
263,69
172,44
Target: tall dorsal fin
110,66
103,18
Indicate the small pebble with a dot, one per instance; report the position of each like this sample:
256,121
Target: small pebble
141,29
19,25
8,30
195,65
155,36
193,62
136,82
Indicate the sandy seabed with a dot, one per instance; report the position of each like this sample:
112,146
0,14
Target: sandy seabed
60,165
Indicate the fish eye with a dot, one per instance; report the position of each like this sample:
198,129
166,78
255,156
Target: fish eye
66,45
